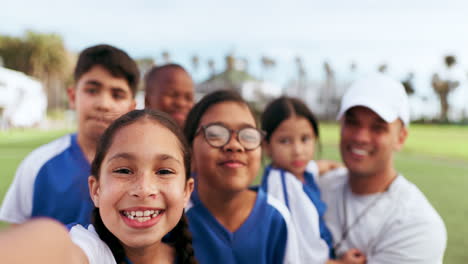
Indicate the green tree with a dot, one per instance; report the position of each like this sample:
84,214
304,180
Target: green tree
42,56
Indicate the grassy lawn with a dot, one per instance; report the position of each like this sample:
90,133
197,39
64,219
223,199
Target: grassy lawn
435,158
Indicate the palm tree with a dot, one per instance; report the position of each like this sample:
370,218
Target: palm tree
267,64
302,76
195,62
166,56
211,66
443,87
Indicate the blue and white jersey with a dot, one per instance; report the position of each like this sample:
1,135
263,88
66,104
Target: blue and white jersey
306,208
51,181
266,237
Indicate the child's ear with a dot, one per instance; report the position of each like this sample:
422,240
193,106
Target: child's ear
189,185
71,93
94,190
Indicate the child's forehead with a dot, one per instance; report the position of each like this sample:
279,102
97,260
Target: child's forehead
102,74
143,132
229,113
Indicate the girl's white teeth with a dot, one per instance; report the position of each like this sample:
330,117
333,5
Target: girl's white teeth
141,216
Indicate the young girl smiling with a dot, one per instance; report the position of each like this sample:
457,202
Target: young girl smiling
230,222
140,185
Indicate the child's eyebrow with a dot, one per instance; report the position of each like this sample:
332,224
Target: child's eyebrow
123,155
130,156
167,157
241,125
118,89
94,82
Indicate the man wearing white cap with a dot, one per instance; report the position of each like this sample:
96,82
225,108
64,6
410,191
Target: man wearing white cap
371,206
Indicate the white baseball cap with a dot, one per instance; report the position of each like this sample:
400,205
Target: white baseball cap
380,93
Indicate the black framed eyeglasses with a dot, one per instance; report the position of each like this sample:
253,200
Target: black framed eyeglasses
218,135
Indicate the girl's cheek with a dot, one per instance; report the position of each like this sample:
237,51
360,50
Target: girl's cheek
176,191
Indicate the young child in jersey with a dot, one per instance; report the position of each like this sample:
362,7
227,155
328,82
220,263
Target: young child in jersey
140,185
292,134
52,181
231,222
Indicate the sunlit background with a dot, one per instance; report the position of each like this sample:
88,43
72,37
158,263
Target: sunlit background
312,49
285,44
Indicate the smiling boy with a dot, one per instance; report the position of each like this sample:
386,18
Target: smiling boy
52,180
169,88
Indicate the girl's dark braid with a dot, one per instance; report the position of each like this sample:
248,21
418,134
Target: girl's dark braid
183,242
109,238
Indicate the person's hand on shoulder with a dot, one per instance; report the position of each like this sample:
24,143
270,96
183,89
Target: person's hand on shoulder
353,256
325,166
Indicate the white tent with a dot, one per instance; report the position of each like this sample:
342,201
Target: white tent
22,99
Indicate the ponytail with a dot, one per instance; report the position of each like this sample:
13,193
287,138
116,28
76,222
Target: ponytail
108,238
183,242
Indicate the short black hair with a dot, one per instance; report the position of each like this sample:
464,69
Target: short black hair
154,72
115,60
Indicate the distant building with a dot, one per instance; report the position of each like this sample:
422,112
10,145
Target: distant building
23,101
235,77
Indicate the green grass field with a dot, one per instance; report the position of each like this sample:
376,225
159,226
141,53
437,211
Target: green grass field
435,158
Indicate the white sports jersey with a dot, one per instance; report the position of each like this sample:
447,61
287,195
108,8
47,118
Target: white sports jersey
302,200
52,181
94,248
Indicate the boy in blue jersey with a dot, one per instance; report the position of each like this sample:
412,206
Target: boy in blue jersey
52,180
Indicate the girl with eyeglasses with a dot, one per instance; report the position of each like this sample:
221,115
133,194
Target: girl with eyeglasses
231,222
292,135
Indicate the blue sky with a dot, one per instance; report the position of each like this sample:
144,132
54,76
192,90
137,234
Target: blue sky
409,35
282,28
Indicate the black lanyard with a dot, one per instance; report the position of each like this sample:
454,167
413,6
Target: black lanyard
346,229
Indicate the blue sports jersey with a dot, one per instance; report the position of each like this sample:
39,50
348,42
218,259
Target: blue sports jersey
266,236
302,199
52,181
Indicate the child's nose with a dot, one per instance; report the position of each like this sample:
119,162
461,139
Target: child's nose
297,147
144,187
233,144
104,102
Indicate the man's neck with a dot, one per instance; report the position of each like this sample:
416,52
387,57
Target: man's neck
371,184
88,146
